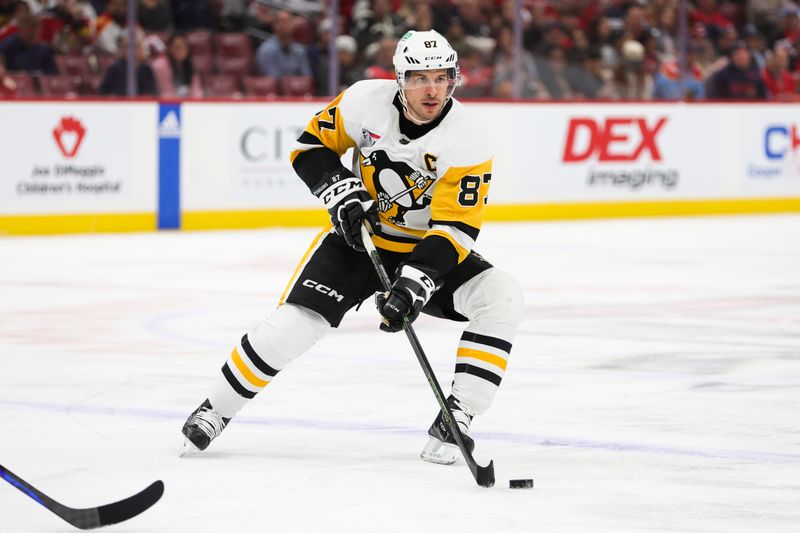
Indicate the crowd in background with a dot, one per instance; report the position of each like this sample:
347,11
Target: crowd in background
572,49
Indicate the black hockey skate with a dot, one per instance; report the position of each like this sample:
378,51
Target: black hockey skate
442,448
202,426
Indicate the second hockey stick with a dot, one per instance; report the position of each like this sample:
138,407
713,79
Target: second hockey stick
93,517
484,475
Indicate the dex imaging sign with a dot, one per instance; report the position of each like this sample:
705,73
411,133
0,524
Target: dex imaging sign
619,151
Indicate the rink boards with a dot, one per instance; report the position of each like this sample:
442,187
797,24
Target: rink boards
73,166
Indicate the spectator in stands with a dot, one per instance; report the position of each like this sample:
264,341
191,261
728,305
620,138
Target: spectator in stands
382,68
381,23
668,84
631,79
232,15
318,58
154,15
532,36
503,84
553,73
259,21
709,15
766,16
739,80
279,56
443,13
777,78
665,29
188,15
473,18
9,28
476,75
65,27
635,26
592,80
756,44
175,75
457,36
110,26
115,81
7,8
423,18
790,24
23,51
349,72
728,37
8,88
603,35
554,35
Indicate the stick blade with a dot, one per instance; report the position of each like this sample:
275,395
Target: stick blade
116,512
484,475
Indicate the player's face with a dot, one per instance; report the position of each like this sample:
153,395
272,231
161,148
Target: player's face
426,93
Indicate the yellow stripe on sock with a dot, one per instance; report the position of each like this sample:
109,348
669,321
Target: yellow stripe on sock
483,356
246,372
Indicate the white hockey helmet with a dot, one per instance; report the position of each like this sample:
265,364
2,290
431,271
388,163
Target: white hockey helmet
425,50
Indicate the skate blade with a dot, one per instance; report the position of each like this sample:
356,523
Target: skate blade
440,453
187,448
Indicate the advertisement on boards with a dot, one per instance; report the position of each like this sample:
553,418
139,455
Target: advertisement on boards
618,152
236,156
68,158
771,147
261,141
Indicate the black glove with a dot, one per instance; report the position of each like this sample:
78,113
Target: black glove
408,296
348,203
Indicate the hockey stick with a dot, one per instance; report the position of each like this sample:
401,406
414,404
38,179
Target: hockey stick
93,517
396,196
484,475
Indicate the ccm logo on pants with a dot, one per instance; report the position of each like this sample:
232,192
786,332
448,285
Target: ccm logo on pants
324,289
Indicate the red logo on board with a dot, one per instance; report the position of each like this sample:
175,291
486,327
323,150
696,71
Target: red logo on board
69,135
618,139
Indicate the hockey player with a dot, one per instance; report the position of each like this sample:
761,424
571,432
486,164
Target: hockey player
422,169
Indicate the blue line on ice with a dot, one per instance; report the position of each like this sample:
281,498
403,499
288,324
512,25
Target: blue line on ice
515,438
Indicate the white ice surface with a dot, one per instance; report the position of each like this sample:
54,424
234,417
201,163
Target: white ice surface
654,386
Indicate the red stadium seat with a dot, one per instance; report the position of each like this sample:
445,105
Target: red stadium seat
202,64
297,85
58,86
73,65
26,87
90,85
263,86
199,42
103,62
236,66
233,45
302,31
222,86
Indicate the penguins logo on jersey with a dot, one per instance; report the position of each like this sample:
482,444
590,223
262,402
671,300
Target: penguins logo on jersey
398,187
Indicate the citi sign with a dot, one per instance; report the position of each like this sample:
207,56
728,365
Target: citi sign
612,140
779,139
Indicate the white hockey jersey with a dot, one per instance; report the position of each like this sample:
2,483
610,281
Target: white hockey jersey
436,184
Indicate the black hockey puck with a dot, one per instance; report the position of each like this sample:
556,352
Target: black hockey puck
520,483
